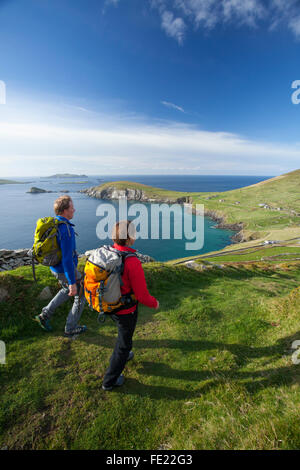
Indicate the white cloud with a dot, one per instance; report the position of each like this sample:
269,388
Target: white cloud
200,12
243,11
207,14
134,146
174,27
108,3
294,25
172,105
285,12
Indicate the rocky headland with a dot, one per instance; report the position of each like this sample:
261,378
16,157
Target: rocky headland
132,194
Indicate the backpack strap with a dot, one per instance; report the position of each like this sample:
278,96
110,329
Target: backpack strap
126,255
127,299
59,222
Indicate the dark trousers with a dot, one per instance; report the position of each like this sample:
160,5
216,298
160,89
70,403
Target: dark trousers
126,326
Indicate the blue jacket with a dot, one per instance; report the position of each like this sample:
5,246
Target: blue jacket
67,244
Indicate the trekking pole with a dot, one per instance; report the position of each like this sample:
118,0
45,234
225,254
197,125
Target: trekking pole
79,284
33,269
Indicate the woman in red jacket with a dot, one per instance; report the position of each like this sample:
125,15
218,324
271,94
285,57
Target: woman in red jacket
133,279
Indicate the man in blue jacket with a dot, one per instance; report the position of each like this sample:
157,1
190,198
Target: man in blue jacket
66,272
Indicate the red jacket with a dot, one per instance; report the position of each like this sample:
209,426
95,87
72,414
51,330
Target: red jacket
134,281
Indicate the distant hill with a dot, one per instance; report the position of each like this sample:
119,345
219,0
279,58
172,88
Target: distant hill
9,182
66,175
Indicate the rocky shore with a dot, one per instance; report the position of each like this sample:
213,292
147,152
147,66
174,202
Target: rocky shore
11,259
238,237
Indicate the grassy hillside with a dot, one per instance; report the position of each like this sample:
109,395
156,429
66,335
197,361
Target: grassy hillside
212,368
242,205
280,192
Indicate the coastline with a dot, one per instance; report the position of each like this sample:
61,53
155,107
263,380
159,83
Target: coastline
251,212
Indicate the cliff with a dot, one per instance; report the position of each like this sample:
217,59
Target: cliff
132,194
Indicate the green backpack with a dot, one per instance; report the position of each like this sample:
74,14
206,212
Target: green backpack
45,248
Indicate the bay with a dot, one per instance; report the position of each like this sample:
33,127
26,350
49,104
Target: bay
19,210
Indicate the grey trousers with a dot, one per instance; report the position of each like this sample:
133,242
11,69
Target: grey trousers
62,297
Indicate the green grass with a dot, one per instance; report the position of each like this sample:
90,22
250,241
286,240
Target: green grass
212,368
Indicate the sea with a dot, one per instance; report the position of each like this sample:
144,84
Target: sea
19,211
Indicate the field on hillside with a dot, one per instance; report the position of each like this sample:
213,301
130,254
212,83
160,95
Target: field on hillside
280,195
212,368
274,254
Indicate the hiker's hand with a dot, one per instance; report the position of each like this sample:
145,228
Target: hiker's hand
72,290
157,306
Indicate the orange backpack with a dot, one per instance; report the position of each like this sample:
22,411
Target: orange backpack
102,281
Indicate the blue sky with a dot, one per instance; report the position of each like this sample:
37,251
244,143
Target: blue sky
149,86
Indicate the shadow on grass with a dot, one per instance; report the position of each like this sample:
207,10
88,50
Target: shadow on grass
242,353
207,379
252,380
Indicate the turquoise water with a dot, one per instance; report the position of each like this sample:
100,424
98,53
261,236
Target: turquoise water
19,212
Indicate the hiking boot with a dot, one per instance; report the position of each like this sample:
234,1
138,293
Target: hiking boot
76,331
118,383
130,356
43,322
